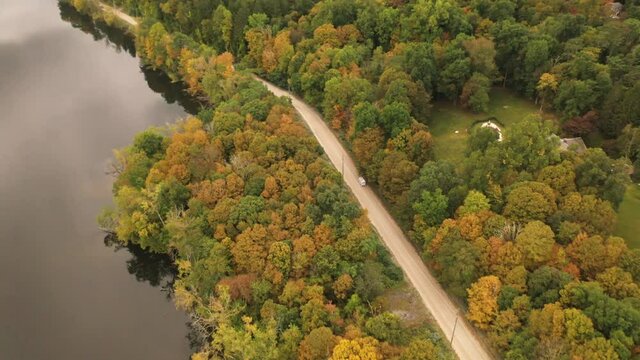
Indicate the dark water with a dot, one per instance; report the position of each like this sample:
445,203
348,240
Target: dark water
67,97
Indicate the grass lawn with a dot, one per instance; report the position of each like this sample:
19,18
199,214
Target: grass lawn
629,217
446,118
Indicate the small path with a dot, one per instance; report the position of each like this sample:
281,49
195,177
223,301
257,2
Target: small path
122,16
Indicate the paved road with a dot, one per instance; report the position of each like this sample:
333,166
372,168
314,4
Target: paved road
465,344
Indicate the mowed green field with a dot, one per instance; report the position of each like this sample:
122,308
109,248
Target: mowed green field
629,217
447,118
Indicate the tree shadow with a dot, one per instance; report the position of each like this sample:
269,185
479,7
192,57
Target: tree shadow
158,270
100,31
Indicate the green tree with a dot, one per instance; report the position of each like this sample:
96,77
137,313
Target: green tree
575,97
221,28
475,93
510,38
530,145
396,174
385,327
419,62
597,174
480,139
459,263
630,262
536,242
456,70
365,116
313,315
395,118
429,20
529,201
432,207
474,202
151,143
342,93
544,285
435,175
386,26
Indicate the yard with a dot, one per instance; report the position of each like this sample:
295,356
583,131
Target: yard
629,217
447,118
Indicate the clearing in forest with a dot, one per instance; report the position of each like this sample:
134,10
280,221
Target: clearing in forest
446,118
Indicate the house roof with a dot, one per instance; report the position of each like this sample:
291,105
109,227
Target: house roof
615,8
575,144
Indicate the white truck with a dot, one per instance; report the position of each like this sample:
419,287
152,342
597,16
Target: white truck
362,181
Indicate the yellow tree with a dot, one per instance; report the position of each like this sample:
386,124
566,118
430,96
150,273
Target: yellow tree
357,349
303,251
225,60
618,283
258,41
548,322
249,251
596,349
547,86
342,285
283,50
326,35
420,349
483,301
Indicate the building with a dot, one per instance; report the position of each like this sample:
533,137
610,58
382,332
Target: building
574,144
614,9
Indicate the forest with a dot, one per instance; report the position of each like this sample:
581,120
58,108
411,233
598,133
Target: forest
272,251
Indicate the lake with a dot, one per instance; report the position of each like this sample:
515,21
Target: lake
68,96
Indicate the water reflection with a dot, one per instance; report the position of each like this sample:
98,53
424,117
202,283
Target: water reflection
66,101
113,37
158,270
172,92
159,82
152,268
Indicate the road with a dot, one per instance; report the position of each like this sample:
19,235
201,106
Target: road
445,312
123,16
465,343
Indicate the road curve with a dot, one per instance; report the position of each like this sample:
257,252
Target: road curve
465,344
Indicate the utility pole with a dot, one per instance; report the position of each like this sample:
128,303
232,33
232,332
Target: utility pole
454,329
343,165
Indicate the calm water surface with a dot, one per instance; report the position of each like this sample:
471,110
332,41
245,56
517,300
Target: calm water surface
67,98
